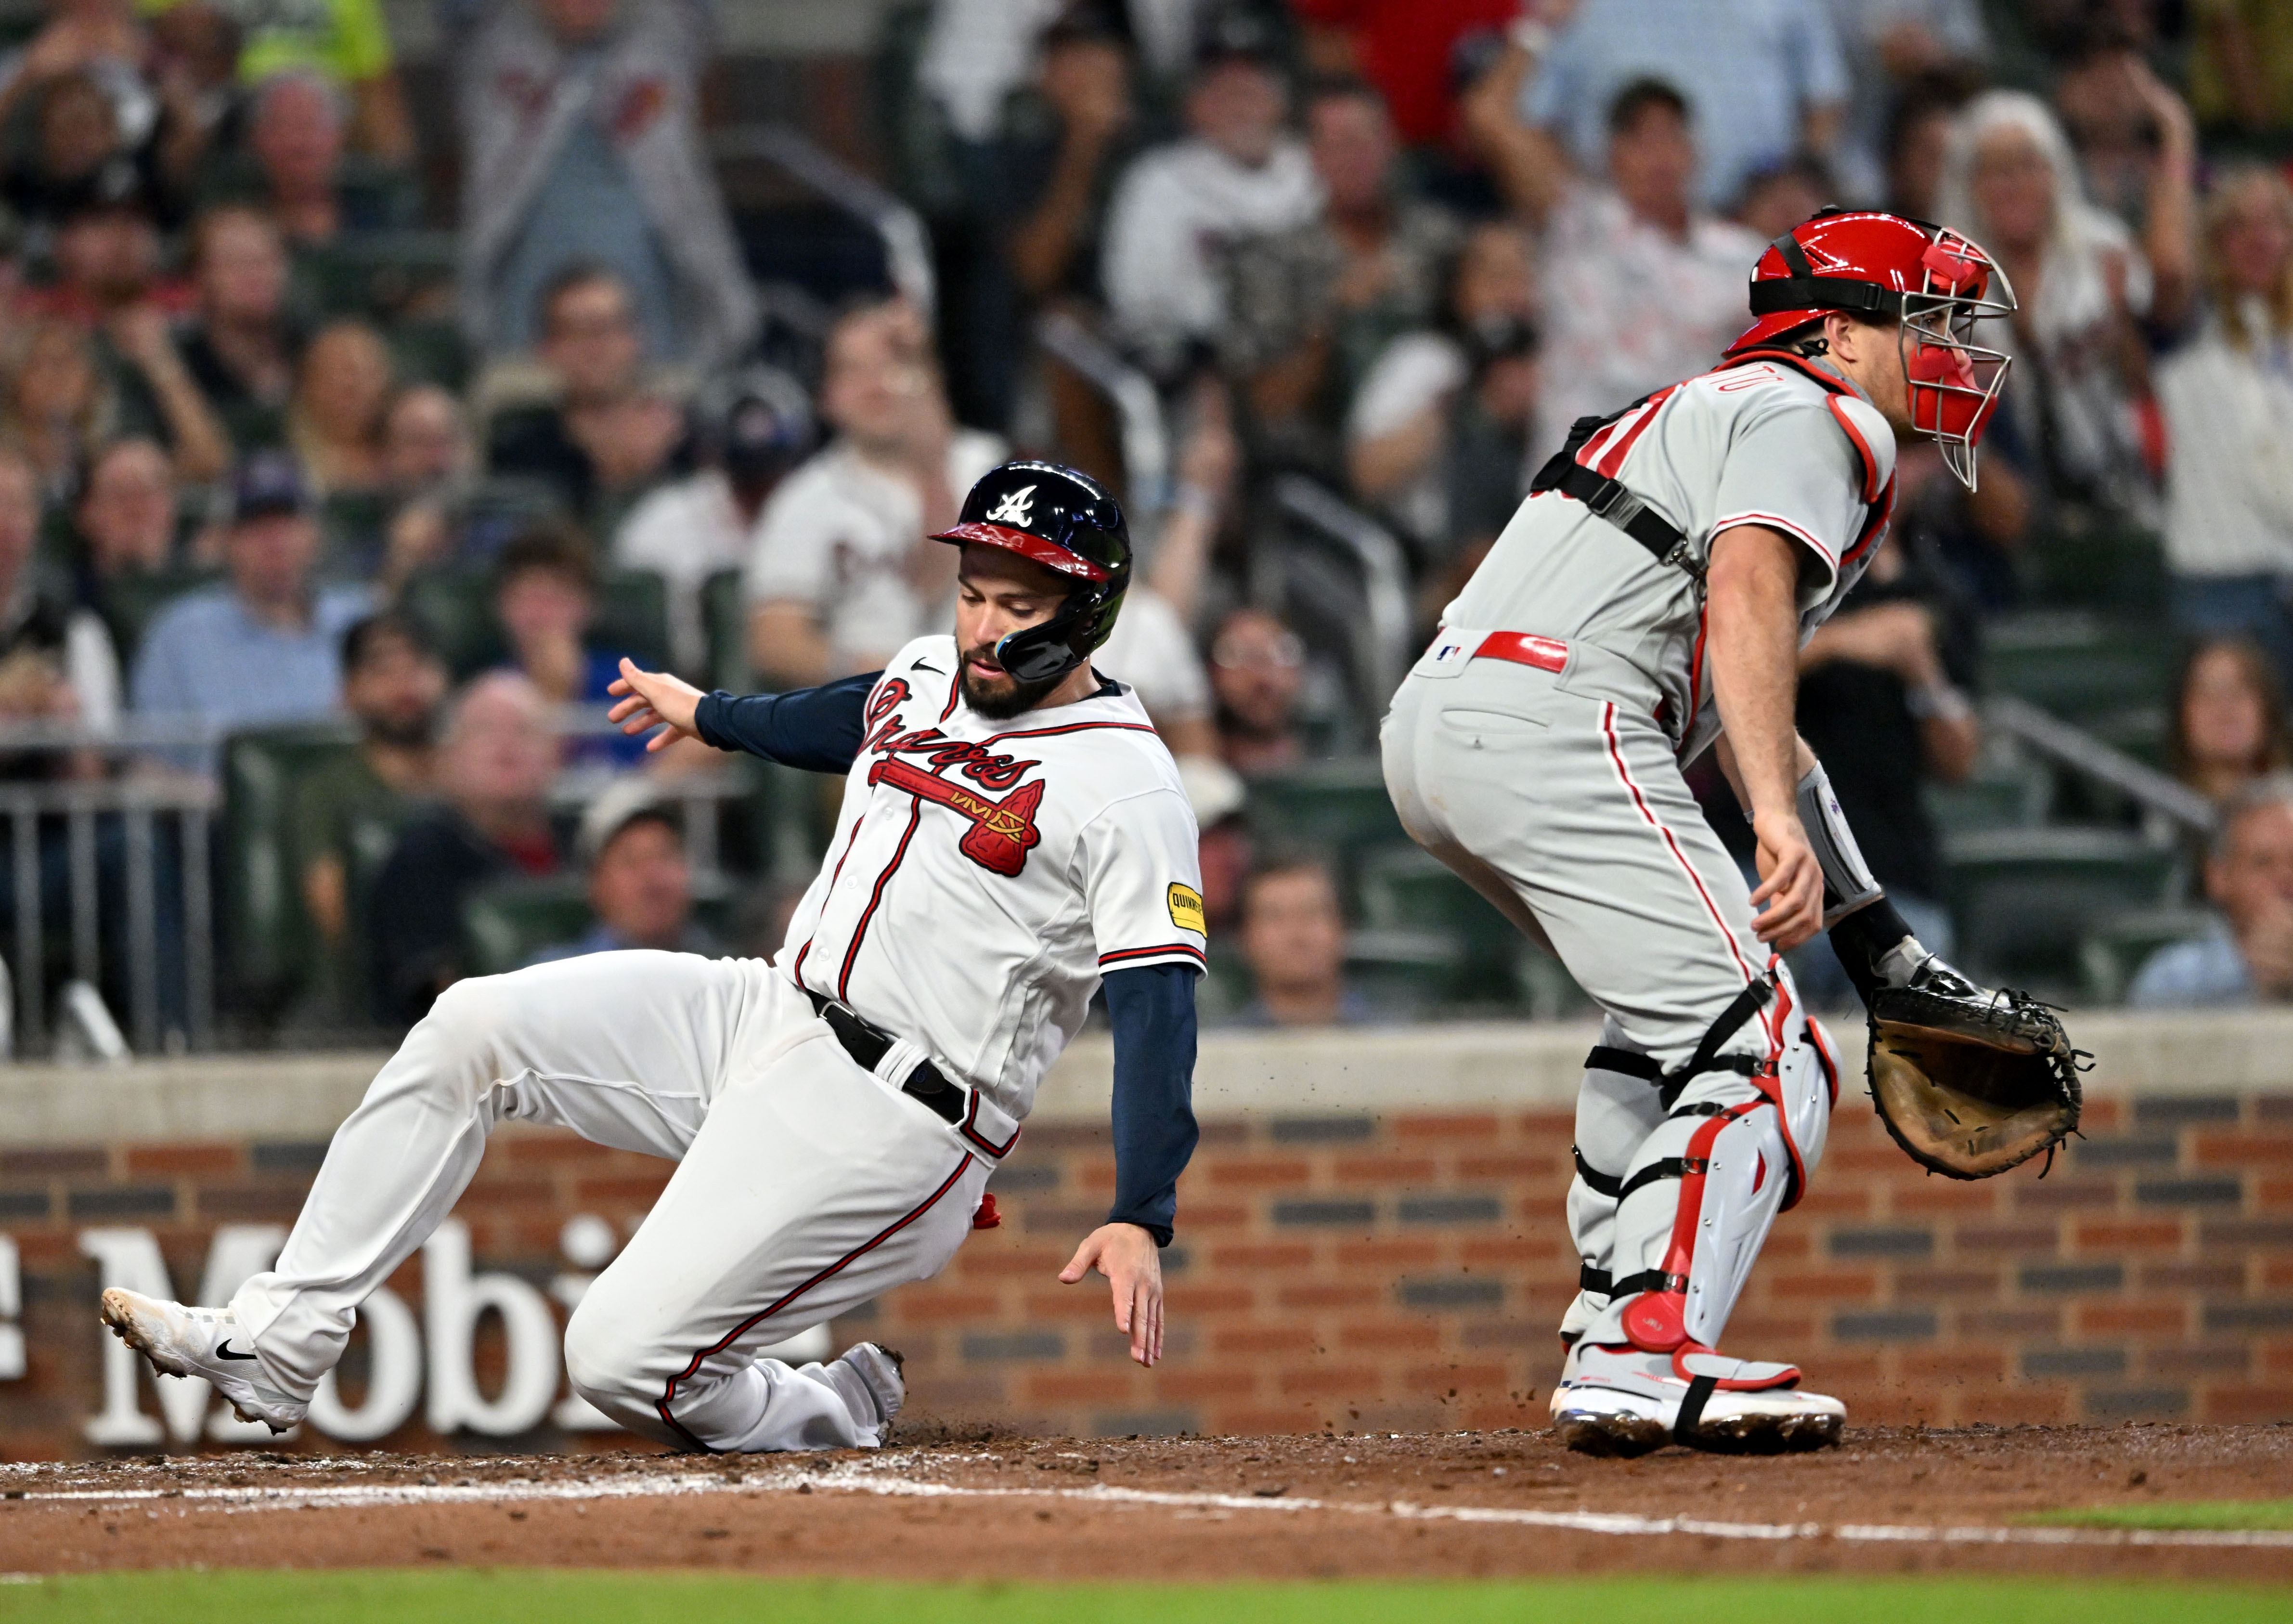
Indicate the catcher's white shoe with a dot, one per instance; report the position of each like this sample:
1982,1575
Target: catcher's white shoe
874,1372
1621,1401
206,1343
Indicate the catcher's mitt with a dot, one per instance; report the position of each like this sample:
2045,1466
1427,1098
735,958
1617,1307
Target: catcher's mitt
1971,1083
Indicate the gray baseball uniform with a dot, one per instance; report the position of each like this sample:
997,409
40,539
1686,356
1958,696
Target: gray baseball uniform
1537,749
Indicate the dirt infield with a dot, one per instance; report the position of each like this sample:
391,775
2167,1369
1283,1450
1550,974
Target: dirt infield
1452,1504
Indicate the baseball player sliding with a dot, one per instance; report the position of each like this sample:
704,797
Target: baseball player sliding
1646,600
1013,837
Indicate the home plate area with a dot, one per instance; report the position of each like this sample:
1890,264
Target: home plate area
2137,1500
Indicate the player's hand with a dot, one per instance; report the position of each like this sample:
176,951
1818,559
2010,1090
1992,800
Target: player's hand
655,699
1791,883
1126,1254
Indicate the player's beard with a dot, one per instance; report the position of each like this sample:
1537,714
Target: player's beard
1004,696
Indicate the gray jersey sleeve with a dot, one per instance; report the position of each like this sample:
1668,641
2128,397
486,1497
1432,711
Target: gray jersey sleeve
1792,469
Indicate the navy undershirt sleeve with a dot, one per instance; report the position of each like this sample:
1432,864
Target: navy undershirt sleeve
818,729
1154,1010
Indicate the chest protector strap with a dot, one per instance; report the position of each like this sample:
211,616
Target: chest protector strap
1613,500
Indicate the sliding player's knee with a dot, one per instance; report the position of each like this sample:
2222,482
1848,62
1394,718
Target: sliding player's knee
605,1364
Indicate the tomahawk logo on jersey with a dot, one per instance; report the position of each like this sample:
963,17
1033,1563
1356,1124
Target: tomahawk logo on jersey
1055,846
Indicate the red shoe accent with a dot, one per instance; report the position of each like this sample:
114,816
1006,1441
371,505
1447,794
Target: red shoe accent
1654,1321
1788,1377
986,1217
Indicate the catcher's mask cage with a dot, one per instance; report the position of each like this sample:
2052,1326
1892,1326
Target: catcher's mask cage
1067,522
1931,282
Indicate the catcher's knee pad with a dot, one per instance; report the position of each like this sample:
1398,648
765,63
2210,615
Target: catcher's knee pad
1742,1148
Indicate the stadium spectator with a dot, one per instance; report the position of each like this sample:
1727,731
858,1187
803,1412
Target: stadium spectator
296,136
2246,957
756,429
60,409
334,423
2226,719
2241,66
1257,674
1062,177
2136,143
1437,435
580,119
497,754
1641,287
1293,940
611,432
1179,208
2073,399
195,64
1309,308
640,883
841,574
126,515
240,347
344,43
1407,48
427,458
545,599
264,646
56,660
1882,702
2228,402
1916,143
394,684
1778,196
1890,47
1759,79
78,149
100,41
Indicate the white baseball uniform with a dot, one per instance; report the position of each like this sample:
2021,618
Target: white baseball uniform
1537,749
983,873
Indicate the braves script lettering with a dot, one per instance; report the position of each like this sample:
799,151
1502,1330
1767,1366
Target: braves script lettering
1002,832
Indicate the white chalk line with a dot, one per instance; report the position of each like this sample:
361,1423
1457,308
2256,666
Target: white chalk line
874,1478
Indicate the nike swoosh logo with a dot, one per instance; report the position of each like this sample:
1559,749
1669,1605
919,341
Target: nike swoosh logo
223,1351
920,666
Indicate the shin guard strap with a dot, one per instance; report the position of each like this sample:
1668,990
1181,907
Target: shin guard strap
1670,1167
1700,1390
1624,1063
1599,1183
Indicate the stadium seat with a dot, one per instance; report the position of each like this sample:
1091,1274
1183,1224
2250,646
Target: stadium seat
271,946
725,618
2012,795
1406,889
2115,949
456,604
2082,666
505,925
1338,807
2022,898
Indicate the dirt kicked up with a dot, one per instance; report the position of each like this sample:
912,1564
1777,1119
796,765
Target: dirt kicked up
1443,1505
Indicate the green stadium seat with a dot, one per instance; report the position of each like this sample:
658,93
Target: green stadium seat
2023,899
2083,666
2115,949
1405,889
2009,796
1340,806
273,945
456,605
505,925
724,617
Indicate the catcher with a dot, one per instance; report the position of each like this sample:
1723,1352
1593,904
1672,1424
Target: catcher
1646,602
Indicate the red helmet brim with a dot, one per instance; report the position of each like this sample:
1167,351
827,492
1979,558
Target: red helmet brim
1029,546
1771,327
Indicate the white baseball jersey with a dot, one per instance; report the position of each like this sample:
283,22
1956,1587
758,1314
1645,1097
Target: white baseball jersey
985,873
1758,443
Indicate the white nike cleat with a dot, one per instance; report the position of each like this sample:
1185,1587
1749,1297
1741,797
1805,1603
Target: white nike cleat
875,1372
206,1343
1622,1401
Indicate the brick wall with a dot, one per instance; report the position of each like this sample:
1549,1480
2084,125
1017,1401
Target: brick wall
1397,1271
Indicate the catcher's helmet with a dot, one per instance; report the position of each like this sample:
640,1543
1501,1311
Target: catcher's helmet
1888,268
1064,521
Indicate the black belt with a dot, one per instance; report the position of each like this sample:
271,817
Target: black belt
868,1044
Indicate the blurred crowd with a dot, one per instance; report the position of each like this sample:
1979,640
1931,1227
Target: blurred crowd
268,457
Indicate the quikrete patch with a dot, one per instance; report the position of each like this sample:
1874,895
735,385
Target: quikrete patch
1186,910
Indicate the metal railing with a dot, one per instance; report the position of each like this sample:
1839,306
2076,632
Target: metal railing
907,244
1130,392
1380,638
2167,807
136,853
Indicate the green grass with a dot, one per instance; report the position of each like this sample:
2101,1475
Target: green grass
572,1597
2173,1514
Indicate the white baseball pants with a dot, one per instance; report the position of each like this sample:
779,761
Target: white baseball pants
1556,796
805,1186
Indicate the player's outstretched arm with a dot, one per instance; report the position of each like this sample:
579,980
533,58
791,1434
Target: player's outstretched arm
1128,1257
655,699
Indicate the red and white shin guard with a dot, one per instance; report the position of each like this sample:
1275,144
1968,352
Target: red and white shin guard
1738,1130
